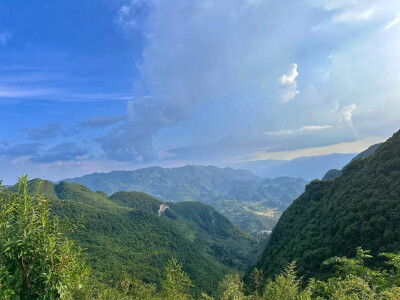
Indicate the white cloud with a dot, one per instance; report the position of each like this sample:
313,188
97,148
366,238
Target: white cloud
353,15
348,11
212,51
394,22
345,113
353,12
11,92
27,92
300,130
289,78
289,84
231,52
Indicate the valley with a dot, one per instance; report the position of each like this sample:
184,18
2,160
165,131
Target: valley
134,234
252,203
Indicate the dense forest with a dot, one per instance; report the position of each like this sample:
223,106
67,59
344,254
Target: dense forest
39,261
360,208
126,233
252,203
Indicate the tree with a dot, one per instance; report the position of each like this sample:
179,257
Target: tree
256,282
135,289
176,284
231,288
286,286
36,260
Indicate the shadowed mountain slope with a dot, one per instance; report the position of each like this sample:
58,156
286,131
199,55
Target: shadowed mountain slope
360,208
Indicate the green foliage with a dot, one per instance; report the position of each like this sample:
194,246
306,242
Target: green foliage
353,280
332,218
36,260
285,287
123,233
231,288
239,195
332,174
134,288
176,284
256,282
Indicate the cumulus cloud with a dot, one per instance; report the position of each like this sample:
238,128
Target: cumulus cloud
345,113
212,51
229,54
289,84
43,132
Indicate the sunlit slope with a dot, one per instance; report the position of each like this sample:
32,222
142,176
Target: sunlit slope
126,233
252,203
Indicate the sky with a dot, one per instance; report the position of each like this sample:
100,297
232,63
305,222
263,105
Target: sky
94,86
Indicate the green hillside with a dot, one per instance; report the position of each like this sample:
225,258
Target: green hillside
125,233
252,203
361,208
189,183
334,173
38,261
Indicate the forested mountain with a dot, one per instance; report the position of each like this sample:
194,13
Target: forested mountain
135,233
360,208
334,173
252,203
38,260
189,183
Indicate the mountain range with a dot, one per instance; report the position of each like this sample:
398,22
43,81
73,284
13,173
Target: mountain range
252,203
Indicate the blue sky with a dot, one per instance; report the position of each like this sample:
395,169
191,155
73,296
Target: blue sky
91,86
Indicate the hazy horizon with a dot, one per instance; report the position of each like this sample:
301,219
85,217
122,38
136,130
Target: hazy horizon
124,84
